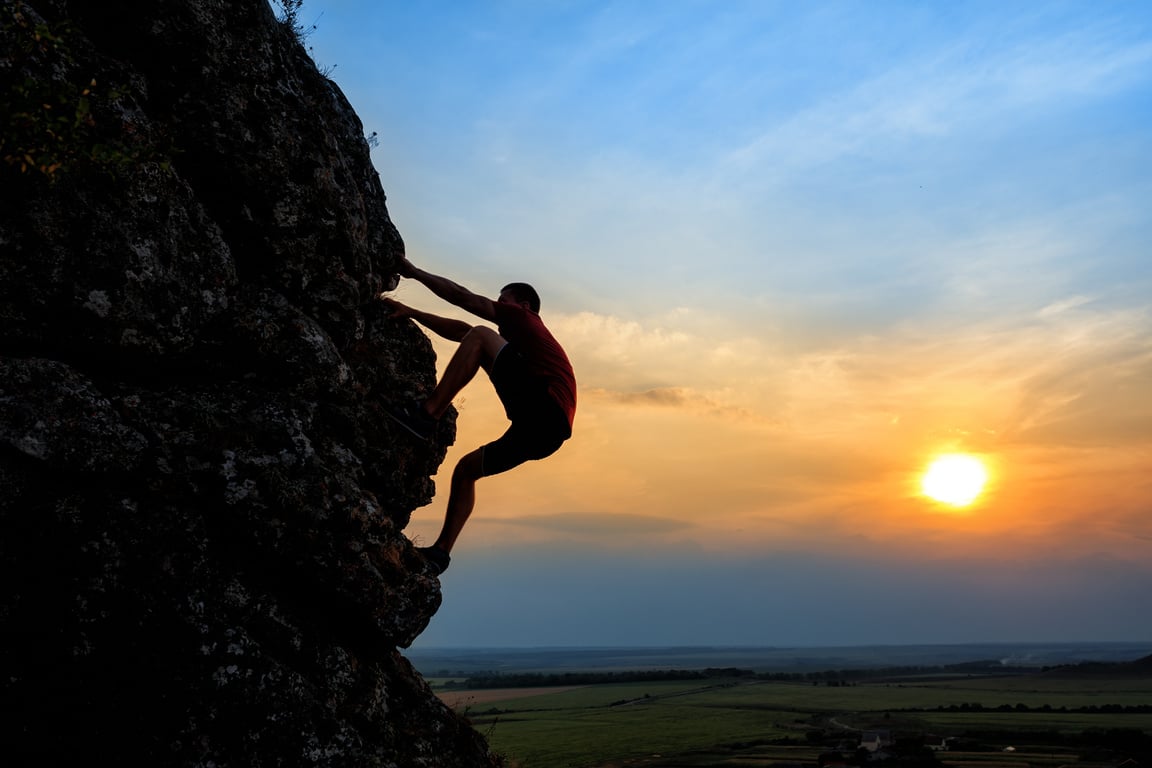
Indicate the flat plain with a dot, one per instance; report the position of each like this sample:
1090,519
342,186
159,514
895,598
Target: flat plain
1041,720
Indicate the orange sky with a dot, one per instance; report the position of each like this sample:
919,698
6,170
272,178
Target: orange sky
743,442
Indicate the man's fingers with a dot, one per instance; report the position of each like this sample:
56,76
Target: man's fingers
395,308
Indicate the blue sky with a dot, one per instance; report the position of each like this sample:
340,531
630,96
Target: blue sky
795,251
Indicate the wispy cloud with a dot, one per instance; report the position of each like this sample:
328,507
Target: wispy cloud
968,87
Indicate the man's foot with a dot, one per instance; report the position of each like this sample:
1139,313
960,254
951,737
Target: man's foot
415,419
436,557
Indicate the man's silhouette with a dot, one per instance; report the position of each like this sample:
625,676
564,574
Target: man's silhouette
529,370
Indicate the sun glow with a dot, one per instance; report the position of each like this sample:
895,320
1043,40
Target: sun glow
955,479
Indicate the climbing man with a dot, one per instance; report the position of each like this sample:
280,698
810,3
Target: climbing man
529,370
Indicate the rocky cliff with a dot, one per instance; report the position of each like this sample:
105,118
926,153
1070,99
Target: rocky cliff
202,501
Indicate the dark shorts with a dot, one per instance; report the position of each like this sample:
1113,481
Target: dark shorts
539,425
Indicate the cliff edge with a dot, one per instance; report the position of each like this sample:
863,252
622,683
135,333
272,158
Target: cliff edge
202,501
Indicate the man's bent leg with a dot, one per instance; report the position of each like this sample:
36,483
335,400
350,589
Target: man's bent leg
478,349
461,499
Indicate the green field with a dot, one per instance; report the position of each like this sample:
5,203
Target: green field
753,722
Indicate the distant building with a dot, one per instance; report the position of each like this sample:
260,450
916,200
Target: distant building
942,746
875,740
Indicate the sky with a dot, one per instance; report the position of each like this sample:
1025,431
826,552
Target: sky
795,251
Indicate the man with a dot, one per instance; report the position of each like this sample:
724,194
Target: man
529,370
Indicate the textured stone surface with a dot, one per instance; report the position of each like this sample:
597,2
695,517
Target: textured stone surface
202,501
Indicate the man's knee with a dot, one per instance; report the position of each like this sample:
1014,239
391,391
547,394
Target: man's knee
486,340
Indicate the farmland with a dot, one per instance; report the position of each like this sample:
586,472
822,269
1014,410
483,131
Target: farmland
1034,720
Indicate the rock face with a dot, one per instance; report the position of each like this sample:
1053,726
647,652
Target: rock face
202,501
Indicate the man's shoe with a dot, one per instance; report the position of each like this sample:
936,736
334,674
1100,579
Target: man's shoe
436,557
415,419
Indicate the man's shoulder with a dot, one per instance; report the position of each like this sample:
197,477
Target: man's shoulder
514,314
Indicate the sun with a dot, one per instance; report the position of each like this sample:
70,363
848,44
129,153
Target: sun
954,478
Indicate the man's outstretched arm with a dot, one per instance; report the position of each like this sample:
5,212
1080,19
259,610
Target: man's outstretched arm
451,292
448,327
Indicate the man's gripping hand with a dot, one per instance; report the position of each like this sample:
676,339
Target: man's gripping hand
396,310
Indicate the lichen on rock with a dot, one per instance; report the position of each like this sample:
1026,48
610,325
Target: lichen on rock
203,500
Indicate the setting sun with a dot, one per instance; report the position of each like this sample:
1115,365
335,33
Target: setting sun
955,479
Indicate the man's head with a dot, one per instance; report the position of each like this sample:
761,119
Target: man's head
521,293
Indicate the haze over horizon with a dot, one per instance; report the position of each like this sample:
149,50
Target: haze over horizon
795,252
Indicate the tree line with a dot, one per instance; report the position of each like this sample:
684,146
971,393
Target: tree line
541,679
491,679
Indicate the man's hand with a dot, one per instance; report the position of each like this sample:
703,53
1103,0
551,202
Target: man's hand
449,291
397,310
449,328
